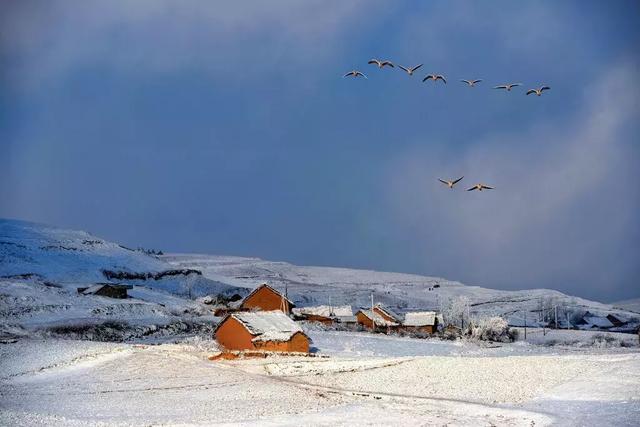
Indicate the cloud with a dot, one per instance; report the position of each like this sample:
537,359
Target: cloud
564,205
48,39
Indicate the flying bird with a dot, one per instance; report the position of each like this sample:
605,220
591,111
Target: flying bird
471,83
450,184
435,78
508,86
410,70
538,91
380,64
355,73
480,187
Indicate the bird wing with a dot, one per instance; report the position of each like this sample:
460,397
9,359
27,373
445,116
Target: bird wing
545,88
500,87
472,188
416,67
350,73
374,61
486,187
466,81
405,69
358,73
441,78
389,63
530,91
477,81
443,181
458,180
427,78
515,84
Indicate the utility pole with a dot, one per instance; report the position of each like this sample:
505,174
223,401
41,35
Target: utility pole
568,325
525,325
373,316
555,307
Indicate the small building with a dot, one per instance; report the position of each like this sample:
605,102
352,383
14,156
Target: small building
368,319
387,314
111,290
421,321
616,321
265,298
262,331
325,314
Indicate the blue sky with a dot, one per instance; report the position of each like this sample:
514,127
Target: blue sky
226,128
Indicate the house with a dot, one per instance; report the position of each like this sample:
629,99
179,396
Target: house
593,321
421,321
265,298
325,314
110,290
368,318
387,314
263,331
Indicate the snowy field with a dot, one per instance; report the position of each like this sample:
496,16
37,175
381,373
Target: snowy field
394,381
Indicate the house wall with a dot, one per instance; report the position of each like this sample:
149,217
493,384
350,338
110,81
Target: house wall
265,299
233,336
112,292
298,343
423,329
319,319
364,320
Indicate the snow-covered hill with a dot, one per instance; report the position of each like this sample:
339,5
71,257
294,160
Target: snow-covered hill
69,258
403,292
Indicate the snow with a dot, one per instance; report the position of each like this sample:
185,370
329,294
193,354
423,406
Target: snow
420,318
54,382
325,311
268,325
597,321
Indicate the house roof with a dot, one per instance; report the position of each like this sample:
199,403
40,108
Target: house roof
378,319
598,321
266,325
264,285
325,311
388,312
420,318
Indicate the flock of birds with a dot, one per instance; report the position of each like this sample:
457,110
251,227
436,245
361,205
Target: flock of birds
435,77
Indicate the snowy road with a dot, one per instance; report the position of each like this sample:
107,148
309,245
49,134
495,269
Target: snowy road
80,383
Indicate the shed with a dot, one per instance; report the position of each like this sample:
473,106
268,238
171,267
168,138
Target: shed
111,290
367,318
261,330
616,321
421,321
265,298
324,313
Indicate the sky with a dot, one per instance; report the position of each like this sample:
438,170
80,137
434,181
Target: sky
227,128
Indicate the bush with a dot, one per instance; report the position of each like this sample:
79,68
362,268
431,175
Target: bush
492,329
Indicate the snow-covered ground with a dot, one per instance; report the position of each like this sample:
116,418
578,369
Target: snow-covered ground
403,381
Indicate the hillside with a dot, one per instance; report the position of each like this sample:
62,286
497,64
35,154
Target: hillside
403,292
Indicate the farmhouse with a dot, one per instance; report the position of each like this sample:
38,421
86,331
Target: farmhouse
387,314
325,314
110,290
421,321
368,318
265,298
261,330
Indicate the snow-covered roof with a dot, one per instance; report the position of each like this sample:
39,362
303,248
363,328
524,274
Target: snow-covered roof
268,325
378,319
598,321
388,312
325,311
420,318
92,289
